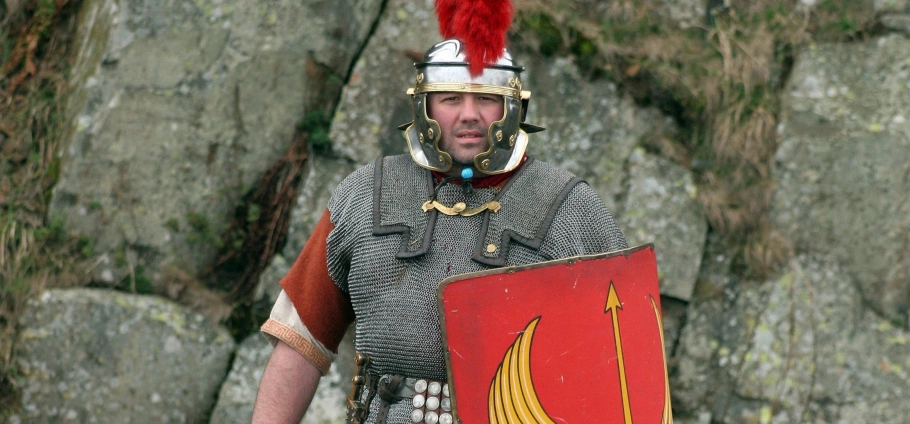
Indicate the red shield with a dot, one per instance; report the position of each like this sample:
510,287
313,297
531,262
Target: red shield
578,340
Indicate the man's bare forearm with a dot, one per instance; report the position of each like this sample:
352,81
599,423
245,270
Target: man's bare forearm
287,387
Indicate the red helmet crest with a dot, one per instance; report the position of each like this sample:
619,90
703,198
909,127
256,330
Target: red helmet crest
480,24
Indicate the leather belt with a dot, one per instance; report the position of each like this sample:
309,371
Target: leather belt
405,388
387,389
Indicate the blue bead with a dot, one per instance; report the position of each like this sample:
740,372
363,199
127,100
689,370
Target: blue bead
467,173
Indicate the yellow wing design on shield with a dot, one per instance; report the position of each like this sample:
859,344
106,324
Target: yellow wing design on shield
512,398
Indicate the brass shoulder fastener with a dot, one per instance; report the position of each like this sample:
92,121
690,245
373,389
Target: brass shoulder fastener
460,208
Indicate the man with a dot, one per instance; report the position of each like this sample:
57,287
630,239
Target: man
466,199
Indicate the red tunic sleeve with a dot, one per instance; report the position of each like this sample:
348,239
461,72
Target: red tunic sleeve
323,308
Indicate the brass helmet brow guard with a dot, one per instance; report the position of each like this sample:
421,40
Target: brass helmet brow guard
444,69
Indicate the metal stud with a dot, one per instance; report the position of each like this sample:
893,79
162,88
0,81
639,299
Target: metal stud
512,140
445,419
430,133
446,404
498,135
420,386
416,416
445,389
361,359
431,418
442,159
418,401
485,164
420,78
420,136
435,388
491,248
432,403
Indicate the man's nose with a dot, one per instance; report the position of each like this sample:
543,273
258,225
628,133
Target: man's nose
470,110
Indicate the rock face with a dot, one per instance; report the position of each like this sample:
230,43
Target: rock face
802,348
374,102
98,356
843,161
818,343
183,110
685,13
661,209
891,6
895,14
592,127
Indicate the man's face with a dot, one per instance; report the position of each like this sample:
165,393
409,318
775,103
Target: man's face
464,119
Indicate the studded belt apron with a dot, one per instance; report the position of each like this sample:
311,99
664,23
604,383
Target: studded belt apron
429,399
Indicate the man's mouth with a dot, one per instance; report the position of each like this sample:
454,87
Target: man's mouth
469,134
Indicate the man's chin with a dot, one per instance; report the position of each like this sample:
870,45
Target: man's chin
463,163
465,157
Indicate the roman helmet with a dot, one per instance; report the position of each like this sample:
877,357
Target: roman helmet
471,61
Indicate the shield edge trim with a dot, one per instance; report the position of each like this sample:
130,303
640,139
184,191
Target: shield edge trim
508,270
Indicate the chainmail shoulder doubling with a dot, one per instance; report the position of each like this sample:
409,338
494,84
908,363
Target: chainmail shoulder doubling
394,294
582,226
351,197
530,201
396,186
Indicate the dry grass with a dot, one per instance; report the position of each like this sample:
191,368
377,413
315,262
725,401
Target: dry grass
34,252
721,78
31,259
16,250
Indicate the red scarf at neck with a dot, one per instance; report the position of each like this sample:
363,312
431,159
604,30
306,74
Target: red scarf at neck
486,181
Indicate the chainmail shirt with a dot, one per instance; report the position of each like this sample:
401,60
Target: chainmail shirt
389,255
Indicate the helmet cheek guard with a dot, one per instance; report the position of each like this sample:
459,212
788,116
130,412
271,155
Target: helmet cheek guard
445,69
507,141
423,137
